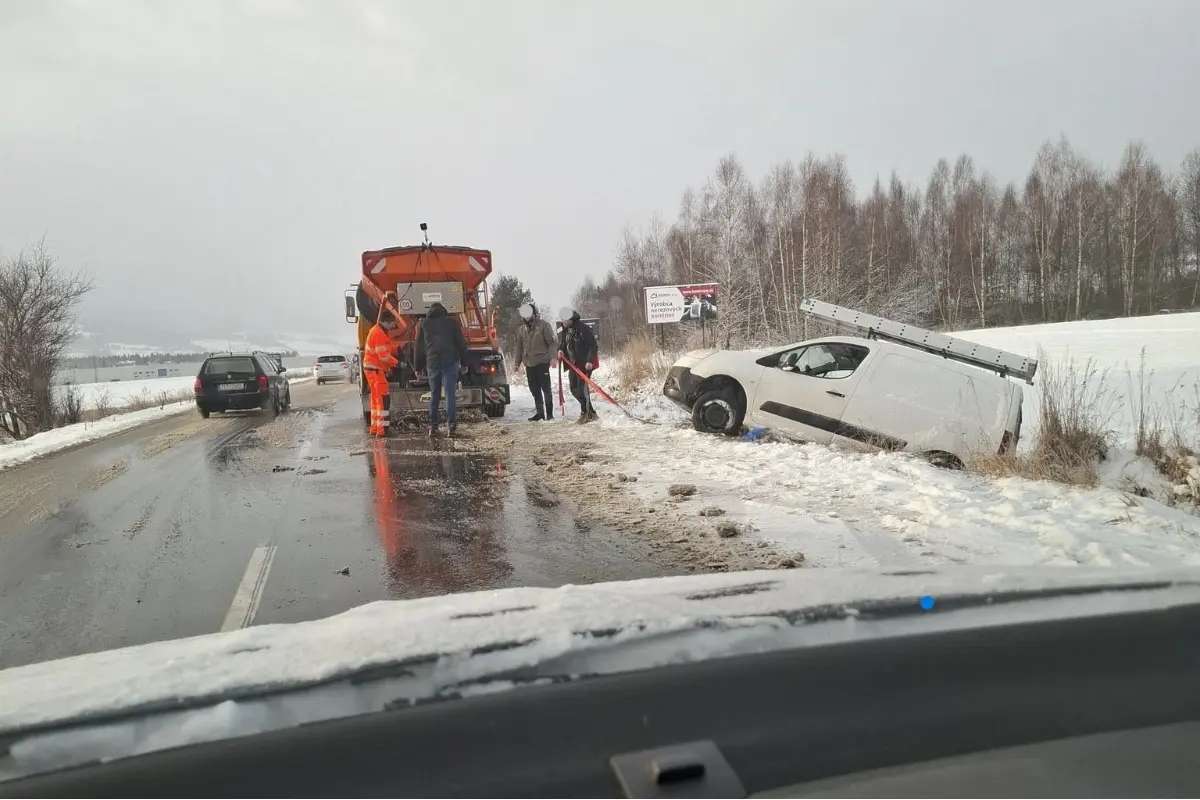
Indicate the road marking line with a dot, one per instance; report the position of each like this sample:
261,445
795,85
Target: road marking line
249,592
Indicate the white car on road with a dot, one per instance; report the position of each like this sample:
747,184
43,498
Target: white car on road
331,368
866,393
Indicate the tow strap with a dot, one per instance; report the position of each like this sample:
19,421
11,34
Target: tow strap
562,401
600,390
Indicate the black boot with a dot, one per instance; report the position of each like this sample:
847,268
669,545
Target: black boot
538,417
433,431
452,430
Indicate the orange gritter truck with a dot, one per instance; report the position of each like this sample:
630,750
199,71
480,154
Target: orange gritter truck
406,281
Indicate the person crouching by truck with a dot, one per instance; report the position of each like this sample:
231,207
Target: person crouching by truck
578,344
441,351
378,361
535,349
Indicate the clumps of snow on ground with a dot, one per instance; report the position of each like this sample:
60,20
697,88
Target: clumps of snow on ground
822,506
52,441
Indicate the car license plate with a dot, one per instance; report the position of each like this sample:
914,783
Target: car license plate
230,387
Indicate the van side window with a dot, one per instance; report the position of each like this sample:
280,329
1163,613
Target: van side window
833,360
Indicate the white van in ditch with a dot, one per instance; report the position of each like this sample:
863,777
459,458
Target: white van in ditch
895,387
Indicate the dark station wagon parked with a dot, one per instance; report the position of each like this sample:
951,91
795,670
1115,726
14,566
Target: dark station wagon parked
240,382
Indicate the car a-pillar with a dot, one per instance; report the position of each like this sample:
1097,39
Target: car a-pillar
720,406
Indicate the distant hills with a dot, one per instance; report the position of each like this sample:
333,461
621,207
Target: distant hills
145,342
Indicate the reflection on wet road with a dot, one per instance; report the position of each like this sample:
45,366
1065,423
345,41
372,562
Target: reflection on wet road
437,518
187,526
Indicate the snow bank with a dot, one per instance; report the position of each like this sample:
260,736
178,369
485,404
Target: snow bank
43,444
121,393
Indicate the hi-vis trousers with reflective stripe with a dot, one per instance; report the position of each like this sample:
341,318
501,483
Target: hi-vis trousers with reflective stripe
380,401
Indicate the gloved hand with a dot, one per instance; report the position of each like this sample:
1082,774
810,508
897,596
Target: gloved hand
587,366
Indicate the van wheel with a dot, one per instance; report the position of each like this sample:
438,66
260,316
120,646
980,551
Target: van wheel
204,413
944,460
718,411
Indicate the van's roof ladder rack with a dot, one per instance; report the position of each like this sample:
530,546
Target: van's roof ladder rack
870,326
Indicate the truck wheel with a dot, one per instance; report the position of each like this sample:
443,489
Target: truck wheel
494,410
718,411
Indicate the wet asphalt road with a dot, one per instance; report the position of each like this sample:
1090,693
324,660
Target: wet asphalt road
190,526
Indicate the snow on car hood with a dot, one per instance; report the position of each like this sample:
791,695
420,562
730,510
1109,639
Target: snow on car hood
693,357
149,697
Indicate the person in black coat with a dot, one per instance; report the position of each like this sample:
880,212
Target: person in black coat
442,351
577,344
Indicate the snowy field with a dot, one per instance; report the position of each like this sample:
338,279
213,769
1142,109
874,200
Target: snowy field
119,394
844,509
1114,346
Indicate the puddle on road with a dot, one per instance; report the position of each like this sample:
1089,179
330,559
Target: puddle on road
452,521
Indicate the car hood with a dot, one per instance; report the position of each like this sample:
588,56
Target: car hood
693,357
149,697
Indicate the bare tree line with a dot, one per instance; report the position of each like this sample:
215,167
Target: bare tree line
1072,242
37,324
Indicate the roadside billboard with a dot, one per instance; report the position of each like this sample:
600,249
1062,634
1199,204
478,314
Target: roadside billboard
692,301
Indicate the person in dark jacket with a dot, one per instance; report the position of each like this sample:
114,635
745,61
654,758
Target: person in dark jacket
441,351
577,344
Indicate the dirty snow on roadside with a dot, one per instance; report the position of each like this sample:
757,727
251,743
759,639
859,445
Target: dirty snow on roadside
52,441
834,508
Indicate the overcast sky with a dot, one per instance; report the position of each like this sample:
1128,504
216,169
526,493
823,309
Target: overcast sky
221,165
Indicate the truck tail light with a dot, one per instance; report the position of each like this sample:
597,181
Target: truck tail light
262,383
198,386
487,369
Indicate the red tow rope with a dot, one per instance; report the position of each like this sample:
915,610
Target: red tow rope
600,390
562,401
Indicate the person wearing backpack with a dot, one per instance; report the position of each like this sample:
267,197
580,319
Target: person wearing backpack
578,345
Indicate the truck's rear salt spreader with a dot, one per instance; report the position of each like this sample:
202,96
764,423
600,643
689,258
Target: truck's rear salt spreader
407,281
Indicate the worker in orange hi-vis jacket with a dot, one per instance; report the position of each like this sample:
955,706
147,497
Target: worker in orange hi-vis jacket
378,360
